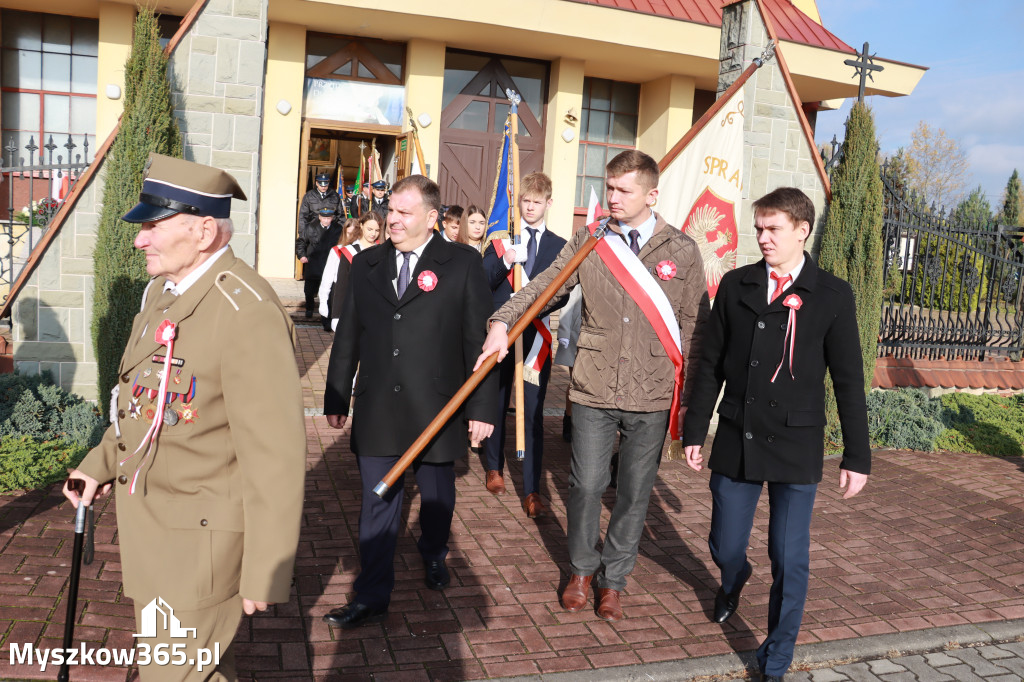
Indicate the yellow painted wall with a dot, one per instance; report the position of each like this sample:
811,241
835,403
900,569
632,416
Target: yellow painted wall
560,157
115,44
282,136
666,113
424,88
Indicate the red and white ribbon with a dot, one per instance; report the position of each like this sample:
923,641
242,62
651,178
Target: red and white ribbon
792,302
165,334
349,252
645,290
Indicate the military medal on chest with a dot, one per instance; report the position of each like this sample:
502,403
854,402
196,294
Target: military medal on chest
161,412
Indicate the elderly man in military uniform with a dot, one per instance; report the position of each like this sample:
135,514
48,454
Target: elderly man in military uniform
207,439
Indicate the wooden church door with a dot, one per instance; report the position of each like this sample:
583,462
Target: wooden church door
473,119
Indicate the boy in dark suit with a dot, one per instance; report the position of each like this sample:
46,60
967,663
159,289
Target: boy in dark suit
538,250
412,288
775,328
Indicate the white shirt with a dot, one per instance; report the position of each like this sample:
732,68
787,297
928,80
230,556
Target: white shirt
646,230
793,274
192,277
413,259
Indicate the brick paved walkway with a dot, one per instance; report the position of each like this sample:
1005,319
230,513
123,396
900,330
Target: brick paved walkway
935,540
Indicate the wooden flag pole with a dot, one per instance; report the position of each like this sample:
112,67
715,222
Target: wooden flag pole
416,142
476,377
517,279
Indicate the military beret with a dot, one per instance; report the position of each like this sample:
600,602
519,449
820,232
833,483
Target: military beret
173,185
380,184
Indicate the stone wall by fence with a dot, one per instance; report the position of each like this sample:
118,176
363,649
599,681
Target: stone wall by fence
776,151
217,83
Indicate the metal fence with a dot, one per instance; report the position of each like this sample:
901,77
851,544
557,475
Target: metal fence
35,186
952,287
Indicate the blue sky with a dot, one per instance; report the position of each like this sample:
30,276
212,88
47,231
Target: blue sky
974,88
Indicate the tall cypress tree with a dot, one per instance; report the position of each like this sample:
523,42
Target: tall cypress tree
147,125
1009,212
851,240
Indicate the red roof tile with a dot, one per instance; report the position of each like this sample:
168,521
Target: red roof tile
790,23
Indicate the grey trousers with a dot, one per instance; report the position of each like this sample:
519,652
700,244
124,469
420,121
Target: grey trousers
642,435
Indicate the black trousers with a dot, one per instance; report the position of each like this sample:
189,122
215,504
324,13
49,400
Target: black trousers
380,522
310,287
533,396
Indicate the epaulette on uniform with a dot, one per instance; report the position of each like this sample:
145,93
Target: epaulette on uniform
236,290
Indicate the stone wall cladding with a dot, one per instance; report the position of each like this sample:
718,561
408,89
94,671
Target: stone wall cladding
216,77
776,152
51,317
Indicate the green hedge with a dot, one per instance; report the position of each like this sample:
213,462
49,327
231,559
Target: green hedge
990,424
960,422
44,431
27,464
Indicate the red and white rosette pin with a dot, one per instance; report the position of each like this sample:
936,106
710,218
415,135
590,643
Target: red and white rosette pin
165,335
793,302
666,270
427,280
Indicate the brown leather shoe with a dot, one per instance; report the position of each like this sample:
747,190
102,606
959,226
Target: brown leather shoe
533,506
495,483
608,606
576,593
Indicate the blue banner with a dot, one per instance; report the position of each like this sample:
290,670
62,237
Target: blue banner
500,213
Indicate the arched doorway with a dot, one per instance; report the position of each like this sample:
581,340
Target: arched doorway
473,117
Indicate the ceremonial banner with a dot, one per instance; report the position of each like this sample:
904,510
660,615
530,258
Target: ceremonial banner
702,186
500,212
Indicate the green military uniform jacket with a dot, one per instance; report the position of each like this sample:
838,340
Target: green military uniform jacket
217,505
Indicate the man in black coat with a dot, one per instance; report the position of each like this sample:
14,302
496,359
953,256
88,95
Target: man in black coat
538,249
321,196
413,321
379,199
314,243
776,326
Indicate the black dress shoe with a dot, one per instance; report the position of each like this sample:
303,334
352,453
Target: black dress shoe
355,614
727,603
436,575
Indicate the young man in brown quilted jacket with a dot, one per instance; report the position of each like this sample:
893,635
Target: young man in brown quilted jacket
623,380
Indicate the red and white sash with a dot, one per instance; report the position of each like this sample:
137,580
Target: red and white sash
540,350
644,289
347,251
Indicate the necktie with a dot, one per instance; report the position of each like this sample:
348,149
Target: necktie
403,274
531,252
634,241
167,297
780,284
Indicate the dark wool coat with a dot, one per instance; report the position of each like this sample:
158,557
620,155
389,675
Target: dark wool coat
775,431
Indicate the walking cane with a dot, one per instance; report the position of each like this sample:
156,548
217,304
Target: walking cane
83,520
476,377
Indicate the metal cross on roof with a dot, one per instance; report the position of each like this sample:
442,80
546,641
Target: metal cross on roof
863,66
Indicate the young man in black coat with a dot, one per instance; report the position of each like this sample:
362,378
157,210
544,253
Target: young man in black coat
413,321
537,251
776,326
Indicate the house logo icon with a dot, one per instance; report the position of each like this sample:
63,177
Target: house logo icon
158,615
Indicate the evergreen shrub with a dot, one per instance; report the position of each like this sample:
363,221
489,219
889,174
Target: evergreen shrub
34,407
28,464
905,418
986,424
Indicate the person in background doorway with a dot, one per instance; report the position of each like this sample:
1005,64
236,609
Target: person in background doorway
473,228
